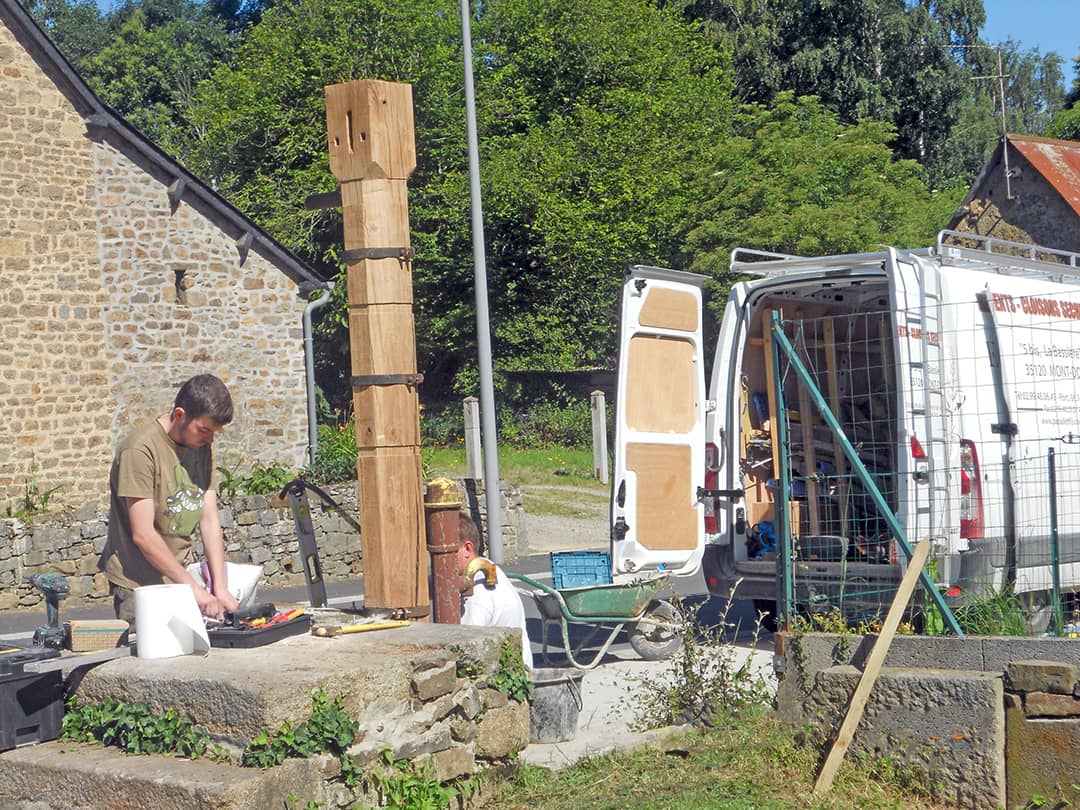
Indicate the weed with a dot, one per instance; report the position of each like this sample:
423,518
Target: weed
329,729
134,729
512,678
705,681
335,456
998,613
402,786
263,479
34,501
468,666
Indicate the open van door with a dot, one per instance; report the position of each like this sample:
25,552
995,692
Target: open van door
657,515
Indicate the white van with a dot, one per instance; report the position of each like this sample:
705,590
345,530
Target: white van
954,372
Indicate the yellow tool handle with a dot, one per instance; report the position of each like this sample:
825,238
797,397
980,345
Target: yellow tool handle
363,628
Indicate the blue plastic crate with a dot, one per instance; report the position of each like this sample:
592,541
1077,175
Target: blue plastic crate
576,569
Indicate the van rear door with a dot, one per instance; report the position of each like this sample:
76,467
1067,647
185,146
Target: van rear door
657,516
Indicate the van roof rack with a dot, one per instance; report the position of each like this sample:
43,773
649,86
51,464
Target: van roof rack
953,248
962,249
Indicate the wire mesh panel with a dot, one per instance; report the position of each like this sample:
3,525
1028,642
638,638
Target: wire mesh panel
965,413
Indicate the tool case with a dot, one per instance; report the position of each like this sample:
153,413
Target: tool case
31,704
244,637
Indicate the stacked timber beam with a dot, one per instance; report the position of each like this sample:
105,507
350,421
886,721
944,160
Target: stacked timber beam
372,153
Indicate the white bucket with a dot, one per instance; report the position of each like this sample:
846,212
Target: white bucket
168,622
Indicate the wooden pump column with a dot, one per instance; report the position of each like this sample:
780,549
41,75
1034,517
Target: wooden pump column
369,127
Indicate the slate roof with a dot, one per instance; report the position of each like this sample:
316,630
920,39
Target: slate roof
102,122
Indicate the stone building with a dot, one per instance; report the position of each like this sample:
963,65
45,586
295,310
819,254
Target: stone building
121,274
1029,192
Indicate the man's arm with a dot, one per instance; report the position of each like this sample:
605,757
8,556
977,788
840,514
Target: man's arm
157,553
214,548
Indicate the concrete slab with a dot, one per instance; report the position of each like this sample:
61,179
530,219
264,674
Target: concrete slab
77,776
237,693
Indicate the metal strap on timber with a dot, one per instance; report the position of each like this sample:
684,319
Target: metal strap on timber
417,612
402,254
367,380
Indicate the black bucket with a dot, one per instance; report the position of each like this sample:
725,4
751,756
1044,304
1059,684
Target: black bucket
556,704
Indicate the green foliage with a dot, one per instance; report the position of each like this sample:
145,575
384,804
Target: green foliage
793,179
1066,124
34,501
468,666
705,683
998,613
512,678
401,786
329,729
133,728
335,456
262,479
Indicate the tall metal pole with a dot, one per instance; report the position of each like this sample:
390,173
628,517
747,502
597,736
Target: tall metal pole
483,321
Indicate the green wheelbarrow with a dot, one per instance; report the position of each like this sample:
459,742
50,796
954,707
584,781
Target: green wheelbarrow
653,626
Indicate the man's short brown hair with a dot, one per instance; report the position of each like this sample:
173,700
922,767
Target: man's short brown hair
205,395
467,530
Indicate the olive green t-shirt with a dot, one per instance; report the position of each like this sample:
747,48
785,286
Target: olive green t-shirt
148,464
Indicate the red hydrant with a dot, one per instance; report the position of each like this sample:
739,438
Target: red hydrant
443,502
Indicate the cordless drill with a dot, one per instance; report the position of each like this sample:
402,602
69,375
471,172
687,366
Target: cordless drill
53,587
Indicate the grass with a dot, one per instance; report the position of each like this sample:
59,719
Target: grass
748,761
563,466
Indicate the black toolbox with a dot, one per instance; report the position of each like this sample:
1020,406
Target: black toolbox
31,703
243,637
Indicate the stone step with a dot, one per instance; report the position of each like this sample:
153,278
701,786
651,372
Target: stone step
83,777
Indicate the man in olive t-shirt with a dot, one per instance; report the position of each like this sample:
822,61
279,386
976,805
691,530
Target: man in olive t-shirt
161,487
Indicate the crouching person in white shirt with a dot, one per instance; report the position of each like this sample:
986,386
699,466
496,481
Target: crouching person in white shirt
490,598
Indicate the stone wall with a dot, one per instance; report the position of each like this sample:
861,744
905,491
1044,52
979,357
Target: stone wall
422,693
938,707
113,295
1042,726
1035,214
257,530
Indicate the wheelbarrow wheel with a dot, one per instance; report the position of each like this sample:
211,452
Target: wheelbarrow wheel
658,634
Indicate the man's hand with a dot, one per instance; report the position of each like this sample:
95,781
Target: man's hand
227,600
209,605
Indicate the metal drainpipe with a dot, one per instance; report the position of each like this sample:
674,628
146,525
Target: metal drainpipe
309,369
443,503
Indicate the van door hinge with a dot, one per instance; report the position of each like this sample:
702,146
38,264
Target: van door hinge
1004,428
725,494
619,530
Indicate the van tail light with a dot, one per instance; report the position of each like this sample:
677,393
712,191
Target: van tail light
971,501
917,448
712,466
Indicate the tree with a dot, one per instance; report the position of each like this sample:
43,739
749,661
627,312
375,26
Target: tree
794,179
594,117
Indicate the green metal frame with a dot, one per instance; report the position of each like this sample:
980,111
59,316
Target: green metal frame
781,343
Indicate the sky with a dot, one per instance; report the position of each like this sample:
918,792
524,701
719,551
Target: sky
1049,25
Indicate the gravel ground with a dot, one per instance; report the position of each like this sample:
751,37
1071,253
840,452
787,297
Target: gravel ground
588,529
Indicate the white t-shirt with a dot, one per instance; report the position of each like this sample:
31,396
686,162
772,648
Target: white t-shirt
497,607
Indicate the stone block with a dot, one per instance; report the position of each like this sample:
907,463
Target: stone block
463,731
1044,704
451,763
435,681
468,700
1055,677
501,732
73,775
260,555
1030,767
409,747
430,713
492,699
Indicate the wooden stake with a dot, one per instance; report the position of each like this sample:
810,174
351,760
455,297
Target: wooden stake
873,668
369,127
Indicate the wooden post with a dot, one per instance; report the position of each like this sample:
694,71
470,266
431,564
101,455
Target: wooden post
474,460
369,127
599,436
873,668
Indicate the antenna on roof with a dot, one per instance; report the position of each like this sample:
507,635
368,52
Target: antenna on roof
1001,76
